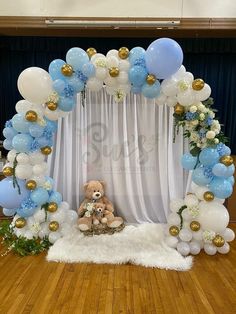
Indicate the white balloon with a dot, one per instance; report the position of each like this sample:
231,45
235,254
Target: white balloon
52,115
199,191
126,88
39,215
124,65
110,90
111,81
29,234
195,247
186,215
71,216
183,248
23,105
191,200
112,61
171,241
171,101
36,158
40,169
161,99
23,171
185,235
97,56
203,94
228,235
35,85
169,87
23,158
123,78
44,230
63,114
176,204
11,155
112,53
65,229
224,249
210,249
185,98
219,200
197,235
179,74
188,77
65,205
40,180
173,219
101,73
54,236
59,216
94,84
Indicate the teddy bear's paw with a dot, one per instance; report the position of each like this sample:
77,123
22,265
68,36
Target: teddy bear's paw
96,222
115,223
83,227
104,220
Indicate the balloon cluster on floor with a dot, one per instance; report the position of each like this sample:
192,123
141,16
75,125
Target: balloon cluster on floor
200,220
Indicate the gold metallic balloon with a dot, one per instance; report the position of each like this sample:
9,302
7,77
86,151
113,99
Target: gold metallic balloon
46,150
52,105
218,241
52,207
53,226
208,196
174,231
195,226
31,116
123,52
151,79
198,84
179,109
227,160
31,185
114,72
8,171
67,70
20,223
91,51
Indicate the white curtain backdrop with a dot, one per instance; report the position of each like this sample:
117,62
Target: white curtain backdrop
130,146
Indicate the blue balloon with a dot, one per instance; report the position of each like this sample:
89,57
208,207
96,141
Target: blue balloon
221,187
9,196
135,54
151,91
22,143
43,141
39,196
36,130
189,161
209,156
7,144
55,197
231,180
222,149
164,57
137,75
230,171
9,211
9,133
66,104
77,57
27,211
49,181
199,177
51,125
219,170
88,69
20,124
55,69
59,85
76,83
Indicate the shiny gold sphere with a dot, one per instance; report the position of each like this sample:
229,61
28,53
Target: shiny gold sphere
46,150
31,116
195,226
8,171
53,226
174,231
123,52
218,241
198,84
91,51
227,160
52,207
208,196
52,105
179,109
20,223
151,79
67,70
31,185
114,72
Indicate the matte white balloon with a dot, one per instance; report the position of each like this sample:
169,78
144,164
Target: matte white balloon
176,204
171,241
228,235
224,249
173,219
191,200
210,249
183,248
54,236
185,235
11,155
23,171
23,158
195,247
36,158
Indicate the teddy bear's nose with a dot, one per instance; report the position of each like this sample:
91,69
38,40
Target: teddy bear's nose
97,194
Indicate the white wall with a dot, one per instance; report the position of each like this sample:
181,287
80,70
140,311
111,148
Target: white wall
119,8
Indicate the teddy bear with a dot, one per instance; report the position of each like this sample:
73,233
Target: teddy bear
95,193
99,212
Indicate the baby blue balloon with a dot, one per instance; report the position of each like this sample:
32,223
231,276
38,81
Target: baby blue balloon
36,130
164,57
39,196
20,124
151,91
221,187
59,85
209,156
137,75
9,196
66,104
199,177
9,133
51,125
55,197
43,141
231,180
76,83
7,144
77,57
55,69
219,170
26,212
230,171
188,161
135,54
223,149
9,211
22,143
88,69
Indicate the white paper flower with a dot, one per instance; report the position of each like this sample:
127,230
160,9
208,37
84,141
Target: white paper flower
208,236
216,141
202,116
193,109
210,135
87,214
194,210
201,107
211,114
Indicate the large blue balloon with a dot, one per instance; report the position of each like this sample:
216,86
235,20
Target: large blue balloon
219,170
55,197
36,130
209,156
221,187
223,149
9,196
22,143
188,161
137,75
164,57
77,57
55,69
199,177
151,91
9,133
39,196
20,124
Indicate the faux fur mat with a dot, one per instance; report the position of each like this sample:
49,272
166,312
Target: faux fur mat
137,244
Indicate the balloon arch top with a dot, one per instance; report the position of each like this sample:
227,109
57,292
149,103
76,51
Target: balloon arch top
41,217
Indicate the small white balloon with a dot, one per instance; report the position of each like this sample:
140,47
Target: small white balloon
210,249
171,101
224,249
203,94
71,216
169,87
11,155
22,106
65,205
40,180
161,99
197,235
124,65
185,98
173,219
59,216
94,84
97,56
112,53
179,74
39,169
171,241
23,171
183,248
23,158
112,61
176,204
191,200
52,115
123,78
185,235
36,158
65,229
199,191
54,236
39,215
101,73
111,81
195,247
228,235
186,215
29,234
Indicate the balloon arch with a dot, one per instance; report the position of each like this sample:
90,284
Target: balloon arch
199,221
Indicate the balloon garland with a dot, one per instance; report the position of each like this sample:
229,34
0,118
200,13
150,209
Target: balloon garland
198,221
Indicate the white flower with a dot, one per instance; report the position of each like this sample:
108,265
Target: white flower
90,207
210,135
35,227
208,235
194,122
193,109
119,95
199,145
216,141
194,137
211,114
101,62
194,211
87,214
201,107
201,116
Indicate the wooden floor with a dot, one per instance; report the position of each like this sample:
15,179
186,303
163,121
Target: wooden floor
32,285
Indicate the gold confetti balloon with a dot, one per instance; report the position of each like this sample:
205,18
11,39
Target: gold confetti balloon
31,116
198,84
67,70
52,207
123,52
8,171
20,223
52,105
53,226
218,241
91,52
46,150
31,185
114,72
174,231
208,196
151,79
195,226
227,160
179,109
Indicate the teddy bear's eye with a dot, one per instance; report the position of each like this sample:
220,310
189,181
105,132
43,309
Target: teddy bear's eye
94,191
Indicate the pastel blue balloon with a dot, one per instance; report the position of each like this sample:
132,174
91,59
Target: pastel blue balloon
9,133
7,144
66,104
59,85
26,212
54,69
43,141
22,143
219,170
51,125
231,180
88,69
50,181
223,149
136,89
209,156
77,57
221,187
55,197
9,211
20,124
36,130
76,83
135,54
39,196
188,161
151,91
9,196
199,177
230,171
164,57
137,75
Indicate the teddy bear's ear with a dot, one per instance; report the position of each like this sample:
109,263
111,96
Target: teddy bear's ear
103,183
85,186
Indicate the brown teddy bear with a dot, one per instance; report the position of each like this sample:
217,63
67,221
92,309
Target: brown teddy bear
95,193
99,212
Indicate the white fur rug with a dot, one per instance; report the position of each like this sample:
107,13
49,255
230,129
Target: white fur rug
140,244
